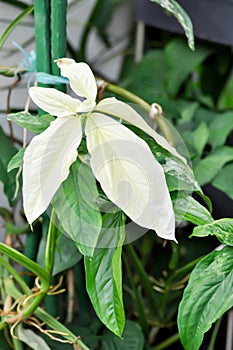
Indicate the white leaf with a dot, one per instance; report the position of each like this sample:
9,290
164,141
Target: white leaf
33,340
46,163
129,174
54,102
82,80
123,111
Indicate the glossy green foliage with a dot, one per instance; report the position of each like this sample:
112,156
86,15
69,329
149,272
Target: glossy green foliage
206,298
75,204
7,151
104,274
222,229
33,123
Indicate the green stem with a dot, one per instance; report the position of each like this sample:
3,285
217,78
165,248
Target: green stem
24,261
51,243
129,96
15,275
17,344
144,278
185,269
58,35
214,334
166,343
50,321
138,300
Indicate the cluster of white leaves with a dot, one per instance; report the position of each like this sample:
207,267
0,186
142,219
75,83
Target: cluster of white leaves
122,162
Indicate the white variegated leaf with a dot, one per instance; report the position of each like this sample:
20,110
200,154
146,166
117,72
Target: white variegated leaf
129,174
54,102
30,338
82,80
46,163
123,111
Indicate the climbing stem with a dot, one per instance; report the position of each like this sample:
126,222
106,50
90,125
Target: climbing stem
144,278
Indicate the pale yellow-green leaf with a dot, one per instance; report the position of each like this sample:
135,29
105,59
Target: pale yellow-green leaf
54,102
46,163
129,174
82,80
30,338
123,111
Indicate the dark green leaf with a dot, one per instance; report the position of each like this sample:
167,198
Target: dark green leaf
176,52
206,298
16,161
208,168
104,274
35,124
3,342
220,129
225,100
224,180
75,204
132,338
222,229
66,254
182,17
7,151
188,209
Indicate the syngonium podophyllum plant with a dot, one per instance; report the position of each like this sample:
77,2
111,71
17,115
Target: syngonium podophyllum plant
123,163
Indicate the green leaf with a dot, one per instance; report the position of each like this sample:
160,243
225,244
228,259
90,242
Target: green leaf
200,137
35,124
3,342
176,52
16,161
208,168
75,204
14,23
66,254
182,17
132,338
7,152
33,340
225,100
222,229
220,128
188,209
224,180
104,274
206,298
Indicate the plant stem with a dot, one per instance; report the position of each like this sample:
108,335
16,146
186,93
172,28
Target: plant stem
166,343
44,316
214,334
51,243
129,96
144,278
23,260
138,300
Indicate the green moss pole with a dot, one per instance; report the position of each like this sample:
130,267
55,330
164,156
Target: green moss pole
58,35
